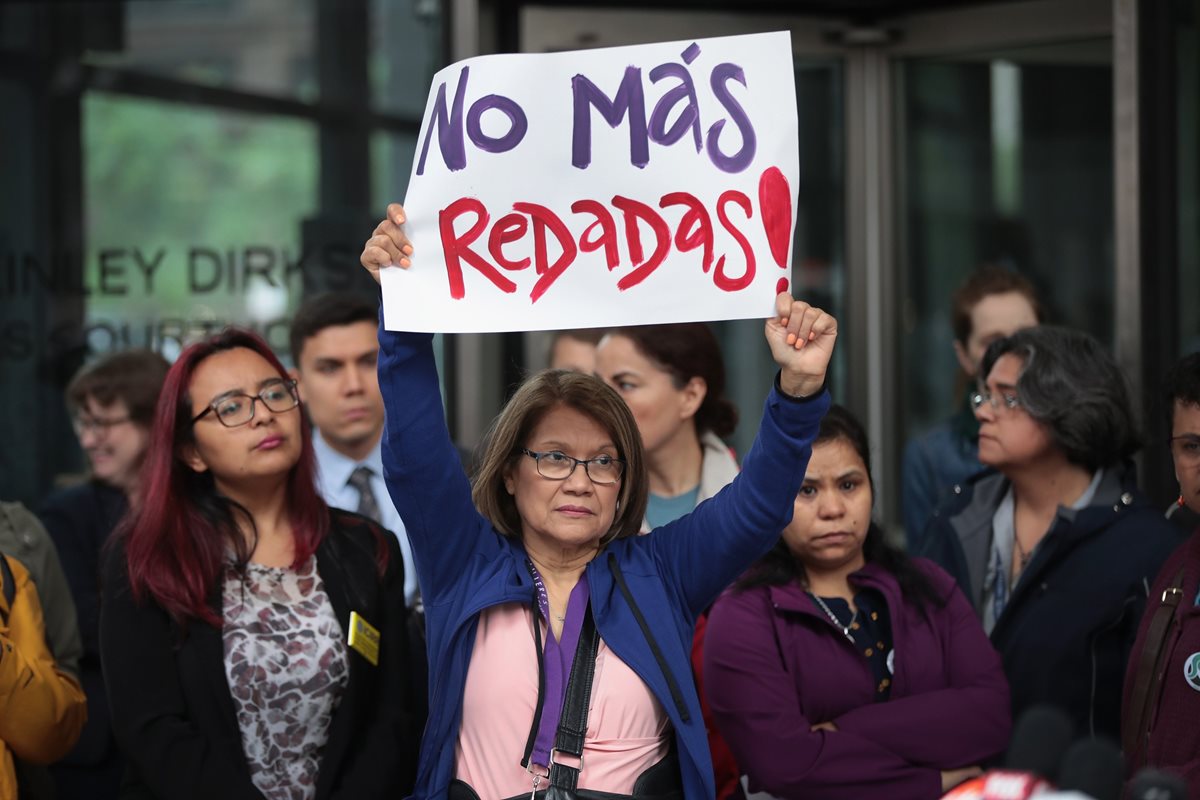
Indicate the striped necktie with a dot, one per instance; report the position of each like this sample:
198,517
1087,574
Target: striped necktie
367,505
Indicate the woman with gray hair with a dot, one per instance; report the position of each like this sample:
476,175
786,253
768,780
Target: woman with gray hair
1055,545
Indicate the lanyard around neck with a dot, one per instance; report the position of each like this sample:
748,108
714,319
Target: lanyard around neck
555,661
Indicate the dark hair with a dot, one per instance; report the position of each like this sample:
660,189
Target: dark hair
545,391
779,567
134,377
326,311
1182,385
176,538
1073,386
685,351
986,281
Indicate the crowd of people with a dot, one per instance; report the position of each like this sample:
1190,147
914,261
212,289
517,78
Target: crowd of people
282,584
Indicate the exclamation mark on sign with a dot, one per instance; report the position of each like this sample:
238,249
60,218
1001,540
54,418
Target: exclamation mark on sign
775,201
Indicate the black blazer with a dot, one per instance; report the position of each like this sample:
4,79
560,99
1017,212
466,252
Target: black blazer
173,715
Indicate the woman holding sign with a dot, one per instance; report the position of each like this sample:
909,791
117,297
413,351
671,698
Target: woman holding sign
545,573
253,640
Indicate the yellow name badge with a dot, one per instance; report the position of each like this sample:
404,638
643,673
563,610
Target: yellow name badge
364,638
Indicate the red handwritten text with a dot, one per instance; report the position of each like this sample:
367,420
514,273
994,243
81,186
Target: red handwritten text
487,247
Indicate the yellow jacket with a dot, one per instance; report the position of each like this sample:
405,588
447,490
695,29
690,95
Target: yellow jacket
42,710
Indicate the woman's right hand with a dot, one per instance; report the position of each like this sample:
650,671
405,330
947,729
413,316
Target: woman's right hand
953,777
388,245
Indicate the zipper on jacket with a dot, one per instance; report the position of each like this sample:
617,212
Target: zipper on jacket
672,684
1092,689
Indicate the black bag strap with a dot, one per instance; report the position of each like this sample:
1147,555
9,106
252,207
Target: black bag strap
673,685
10,587
1145,693
572,725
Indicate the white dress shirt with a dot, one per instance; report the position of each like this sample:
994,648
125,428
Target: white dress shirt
333,481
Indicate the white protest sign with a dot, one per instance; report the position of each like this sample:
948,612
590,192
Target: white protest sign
627,185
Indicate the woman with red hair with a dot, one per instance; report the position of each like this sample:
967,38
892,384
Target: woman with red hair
253,640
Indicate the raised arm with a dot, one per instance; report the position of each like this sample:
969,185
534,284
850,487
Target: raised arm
757,709
421,465
705,550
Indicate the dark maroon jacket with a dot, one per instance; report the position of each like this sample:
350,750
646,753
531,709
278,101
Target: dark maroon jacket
775,665
1174,743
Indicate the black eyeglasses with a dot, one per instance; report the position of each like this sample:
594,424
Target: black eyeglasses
232,409
558,466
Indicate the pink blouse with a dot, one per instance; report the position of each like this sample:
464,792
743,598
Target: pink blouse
627,727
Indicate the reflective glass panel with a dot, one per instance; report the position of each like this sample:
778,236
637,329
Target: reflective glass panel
1005,158
1188,105
193,221
405,51
391,166
260,46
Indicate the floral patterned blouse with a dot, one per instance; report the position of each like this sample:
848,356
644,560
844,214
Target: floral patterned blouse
286,663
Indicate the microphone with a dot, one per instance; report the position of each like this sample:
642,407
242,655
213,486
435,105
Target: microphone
1093,768
1154,784
1040,738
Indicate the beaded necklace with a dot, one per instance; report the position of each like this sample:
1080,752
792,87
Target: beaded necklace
845,629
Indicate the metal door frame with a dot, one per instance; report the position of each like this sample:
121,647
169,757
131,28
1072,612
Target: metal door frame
874,268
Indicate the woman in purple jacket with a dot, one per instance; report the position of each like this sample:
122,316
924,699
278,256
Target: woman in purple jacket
837,667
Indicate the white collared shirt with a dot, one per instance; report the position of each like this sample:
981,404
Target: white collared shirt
333,481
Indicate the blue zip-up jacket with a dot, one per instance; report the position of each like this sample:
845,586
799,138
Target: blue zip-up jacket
646,591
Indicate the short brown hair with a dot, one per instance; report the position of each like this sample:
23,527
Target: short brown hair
538,396
984,282
332,309
132,376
